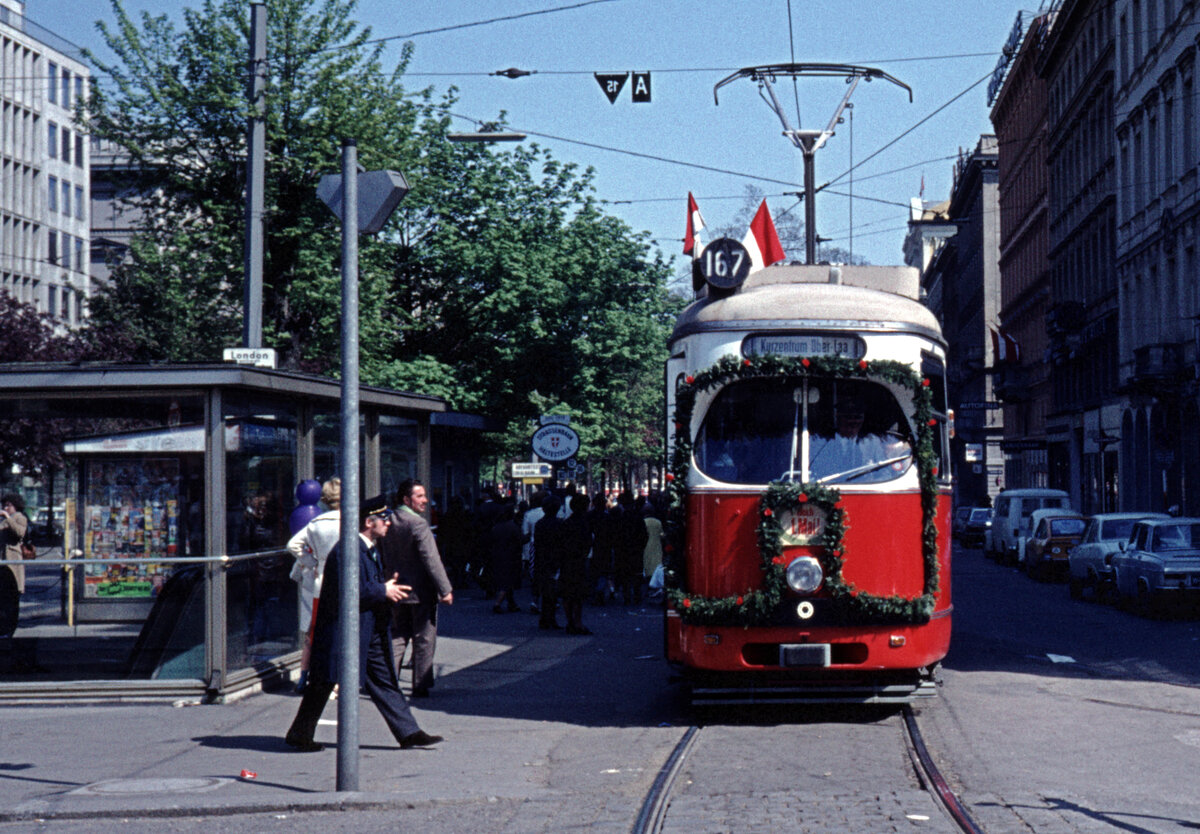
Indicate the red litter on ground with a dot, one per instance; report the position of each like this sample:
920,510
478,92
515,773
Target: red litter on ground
249,774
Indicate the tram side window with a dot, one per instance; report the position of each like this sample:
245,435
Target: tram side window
933,369
857,431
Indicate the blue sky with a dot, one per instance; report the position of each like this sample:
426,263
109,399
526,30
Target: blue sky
940,48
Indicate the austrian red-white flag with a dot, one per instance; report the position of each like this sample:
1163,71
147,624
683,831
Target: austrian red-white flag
762,241
694,224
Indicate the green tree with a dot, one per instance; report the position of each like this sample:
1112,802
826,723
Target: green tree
498,284
177,105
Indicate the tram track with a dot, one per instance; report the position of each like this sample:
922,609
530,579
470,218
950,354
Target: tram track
652,816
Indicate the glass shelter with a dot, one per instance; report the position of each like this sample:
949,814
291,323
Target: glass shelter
161,519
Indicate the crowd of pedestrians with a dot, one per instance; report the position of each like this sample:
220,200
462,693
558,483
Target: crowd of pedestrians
567,550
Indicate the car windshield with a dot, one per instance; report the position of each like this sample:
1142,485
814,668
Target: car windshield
1116,529
1176,537
1066,526
980,515
832,431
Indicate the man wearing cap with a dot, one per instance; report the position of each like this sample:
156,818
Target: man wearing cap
409,551
377,672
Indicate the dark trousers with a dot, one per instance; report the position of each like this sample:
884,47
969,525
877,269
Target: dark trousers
381,686
10,602
416,623
548,590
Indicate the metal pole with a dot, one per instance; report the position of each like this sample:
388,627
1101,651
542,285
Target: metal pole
810,202
255,179
347,752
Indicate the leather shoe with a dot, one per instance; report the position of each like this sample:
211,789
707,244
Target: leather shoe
419,739
303,746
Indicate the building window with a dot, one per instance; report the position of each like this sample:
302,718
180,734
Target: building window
52,139
52,93
52,194
80,266
66,145
79,207
66,198
53,306
78,150
52,246
66,88
79,88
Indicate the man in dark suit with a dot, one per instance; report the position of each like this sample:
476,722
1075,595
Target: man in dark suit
409,551
377,673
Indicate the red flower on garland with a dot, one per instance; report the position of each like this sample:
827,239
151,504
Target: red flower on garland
925,382
689,379
746,362
932,422
739,600
687,603
805,362
801,498
768,512
935,471
670,476
862,363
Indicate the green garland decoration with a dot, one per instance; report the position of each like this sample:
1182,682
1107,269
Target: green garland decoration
762,606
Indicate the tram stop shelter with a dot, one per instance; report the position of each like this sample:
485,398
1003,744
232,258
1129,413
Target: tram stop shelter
169,576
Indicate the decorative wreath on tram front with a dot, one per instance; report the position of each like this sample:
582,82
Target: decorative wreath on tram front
761,606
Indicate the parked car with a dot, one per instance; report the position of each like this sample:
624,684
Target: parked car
1090,562
1160,563
1011,512
959,524
1054,533
978,523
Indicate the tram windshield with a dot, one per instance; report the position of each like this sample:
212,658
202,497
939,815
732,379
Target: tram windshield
826,430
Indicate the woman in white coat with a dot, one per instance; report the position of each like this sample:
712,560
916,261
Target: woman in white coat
310,548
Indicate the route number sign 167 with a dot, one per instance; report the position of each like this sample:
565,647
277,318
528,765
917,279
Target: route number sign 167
725,263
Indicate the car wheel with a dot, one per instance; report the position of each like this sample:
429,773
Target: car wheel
1144,602
1075,586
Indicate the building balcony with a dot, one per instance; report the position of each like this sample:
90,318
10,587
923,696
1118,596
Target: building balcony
1013,383
1156,366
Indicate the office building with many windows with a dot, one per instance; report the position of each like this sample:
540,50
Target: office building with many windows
44,200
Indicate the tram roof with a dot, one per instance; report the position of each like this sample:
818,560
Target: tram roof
860,297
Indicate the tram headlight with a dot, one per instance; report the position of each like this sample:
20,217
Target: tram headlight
804,574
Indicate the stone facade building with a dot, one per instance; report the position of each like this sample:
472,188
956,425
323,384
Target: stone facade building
1157,233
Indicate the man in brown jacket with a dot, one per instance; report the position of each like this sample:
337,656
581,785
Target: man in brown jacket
410,551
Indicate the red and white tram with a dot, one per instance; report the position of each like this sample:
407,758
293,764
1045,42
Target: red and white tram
808,432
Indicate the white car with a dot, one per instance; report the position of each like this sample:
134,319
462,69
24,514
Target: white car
1160,563
1011,513
1090,562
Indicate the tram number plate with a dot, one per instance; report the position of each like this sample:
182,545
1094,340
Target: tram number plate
804,654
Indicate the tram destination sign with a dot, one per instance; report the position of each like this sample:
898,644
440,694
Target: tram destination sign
804,344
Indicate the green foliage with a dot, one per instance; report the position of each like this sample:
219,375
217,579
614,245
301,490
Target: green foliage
498,283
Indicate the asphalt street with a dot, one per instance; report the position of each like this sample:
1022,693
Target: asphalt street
1055,715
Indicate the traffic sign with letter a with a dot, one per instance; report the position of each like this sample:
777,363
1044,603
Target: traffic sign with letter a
611,83
641,87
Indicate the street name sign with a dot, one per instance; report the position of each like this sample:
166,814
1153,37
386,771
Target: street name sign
259,357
